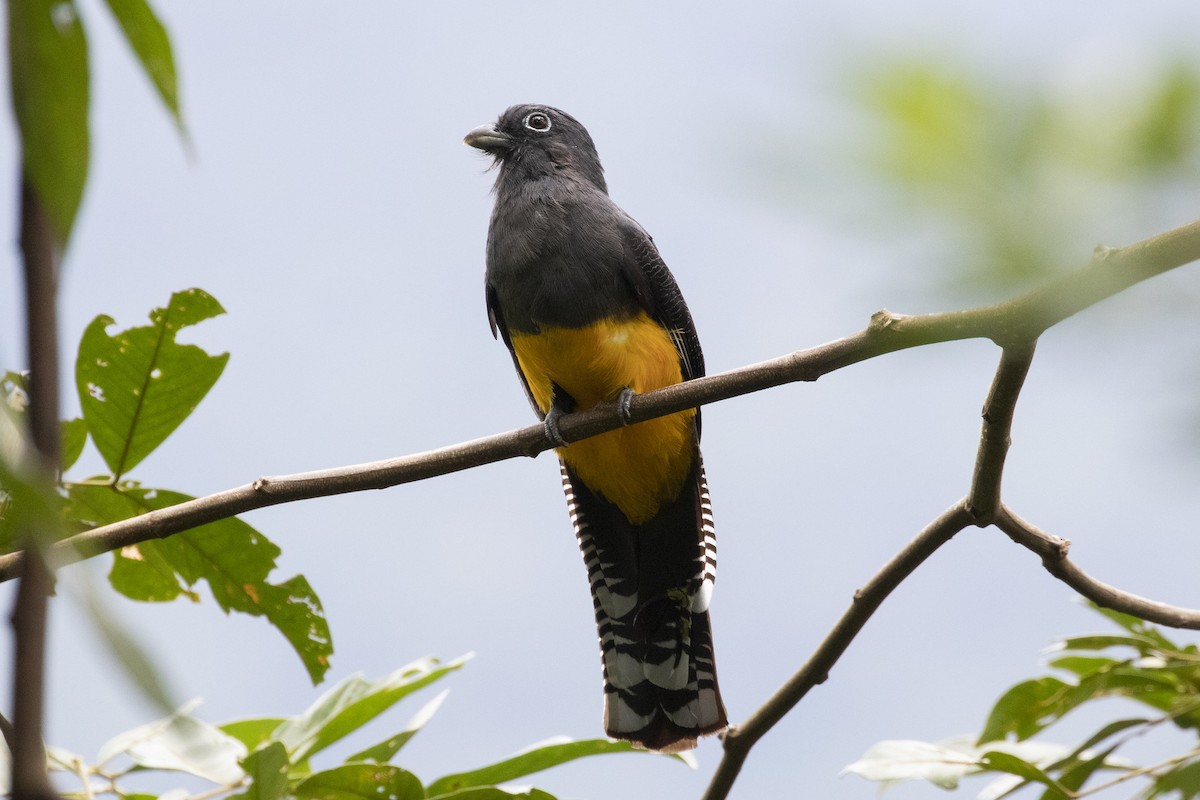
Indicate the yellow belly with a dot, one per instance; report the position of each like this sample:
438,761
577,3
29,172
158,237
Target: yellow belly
638,468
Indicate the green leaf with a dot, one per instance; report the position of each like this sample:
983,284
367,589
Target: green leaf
1014,765
48,68
151,44
138,386
1143,644
268,772
73,433
361,782
495,793
352,703
294,608
1083,666
1025,709
1184,779
231,556
183,743
1137,626
252,732
536,758
382,753
1074,776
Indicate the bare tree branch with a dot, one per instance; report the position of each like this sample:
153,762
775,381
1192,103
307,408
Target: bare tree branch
738,740
994,440
978,508
1016,323
1053,551
40,255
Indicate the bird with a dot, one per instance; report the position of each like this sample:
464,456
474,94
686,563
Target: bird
578,292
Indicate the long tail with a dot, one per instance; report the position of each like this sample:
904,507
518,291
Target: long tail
651,585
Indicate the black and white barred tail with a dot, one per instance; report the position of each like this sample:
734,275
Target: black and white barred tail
651,586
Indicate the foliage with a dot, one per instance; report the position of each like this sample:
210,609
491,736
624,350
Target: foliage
267,758
136,386
48,63
1139,664
999,185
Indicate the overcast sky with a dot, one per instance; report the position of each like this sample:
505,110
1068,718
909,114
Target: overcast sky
332,208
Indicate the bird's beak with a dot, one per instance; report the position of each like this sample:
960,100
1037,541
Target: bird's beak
488,139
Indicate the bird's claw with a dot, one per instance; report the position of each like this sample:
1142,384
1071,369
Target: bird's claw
550,425
624,399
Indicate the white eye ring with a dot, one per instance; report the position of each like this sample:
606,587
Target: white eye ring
534,118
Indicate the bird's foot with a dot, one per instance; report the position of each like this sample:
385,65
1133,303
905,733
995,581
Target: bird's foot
624,399
550,425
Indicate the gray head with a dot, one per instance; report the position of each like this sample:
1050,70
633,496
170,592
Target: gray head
534,141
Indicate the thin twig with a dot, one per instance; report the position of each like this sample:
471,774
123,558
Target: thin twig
1136,773
1053,551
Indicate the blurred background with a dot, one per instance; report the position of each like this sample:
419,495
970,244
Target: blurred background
800,166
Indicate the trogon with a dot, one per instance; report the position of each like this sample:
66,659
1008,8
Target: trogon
579,294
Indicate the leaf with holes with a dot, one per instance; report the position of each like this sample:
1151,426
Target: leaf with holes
233,557
138,386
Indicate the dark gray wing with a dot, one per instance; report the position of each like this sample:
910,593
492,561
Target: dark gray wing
659,294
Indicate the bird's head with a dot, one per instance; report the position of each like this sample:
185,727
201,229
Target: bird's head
537,141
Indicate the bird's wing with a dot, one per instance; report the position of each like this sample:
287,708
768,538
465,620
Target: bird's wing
659,294
500,330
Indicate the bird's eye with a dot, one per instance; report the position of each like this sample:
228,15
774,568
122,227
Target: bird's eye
537,121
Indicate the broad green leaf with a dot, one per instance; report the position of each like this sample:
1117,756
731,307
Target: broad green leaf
495,793
74,436
268,772
1025,709
138,386
1014,765
252,732
361,782
352,703
231,556
294,608
382,753
48,67
151,44
182,743
533,759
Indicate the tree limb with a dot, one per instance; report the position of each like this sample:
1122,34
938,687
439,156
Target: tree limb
1015,323
1053,551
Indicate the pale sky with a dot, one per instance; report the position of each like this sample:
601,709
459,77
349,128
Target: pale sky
332,208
